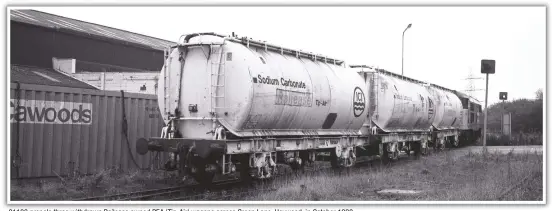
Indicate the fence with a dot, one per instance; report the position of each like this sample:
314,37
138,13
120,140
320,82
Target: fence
60,131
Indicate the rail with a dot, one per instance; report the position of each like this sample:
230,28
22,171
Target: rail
140,195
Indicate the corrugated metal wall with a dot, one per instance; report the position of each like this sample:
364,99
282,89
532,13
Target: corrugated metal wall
57,134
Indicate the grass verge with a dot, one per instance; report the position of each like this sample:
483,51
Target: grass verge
106,182
443,176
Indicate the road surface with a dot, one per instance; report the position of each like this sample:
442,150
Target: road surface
502,149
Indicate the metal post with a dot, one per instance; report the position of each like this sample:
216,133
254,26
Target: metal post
402,54
485,121
503,112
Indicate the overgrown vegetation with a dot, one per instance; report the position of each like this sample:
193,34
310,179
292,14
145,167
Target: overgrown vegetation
517,139
106,182
527,114
475,176
448,175
527,121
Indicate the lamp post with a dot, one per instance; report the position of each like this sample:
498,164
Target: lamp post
402,62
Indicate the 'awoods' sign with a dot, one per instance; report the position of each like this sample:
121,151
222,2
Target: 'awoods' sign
50,112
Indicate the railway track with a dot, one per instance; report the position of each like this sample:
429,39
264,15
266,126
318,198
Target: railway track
161,192
222,190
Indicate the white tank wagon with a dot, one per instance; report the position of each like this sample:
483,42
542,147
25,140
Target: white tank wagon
401,112
400,104
238,105
232,101
253,92
448,115
448,108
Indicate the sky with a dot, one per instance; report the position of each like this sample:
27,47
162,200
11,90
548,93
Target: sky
442,47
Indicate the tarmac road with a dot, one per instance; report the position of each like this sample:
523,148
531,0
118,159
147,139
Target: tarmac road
503,149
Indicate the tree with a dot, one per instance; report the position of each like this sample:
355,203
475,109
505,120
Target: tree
538,94
527,114
537,112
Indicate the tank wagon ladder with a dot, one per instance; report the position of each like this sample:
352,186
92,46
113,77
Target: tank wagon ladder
167,81
218,81
374,101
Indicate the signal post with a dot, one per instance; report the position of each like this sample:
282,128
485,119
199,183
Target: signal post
487,67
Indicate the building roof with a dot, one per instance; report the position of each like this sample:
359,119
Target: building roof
45,76
86,66
48,20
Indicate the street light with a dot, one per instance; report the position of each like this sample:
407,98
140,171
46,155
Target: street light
402,62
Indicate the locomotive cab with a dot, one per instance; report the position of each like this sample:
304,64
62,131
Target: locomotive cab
472,118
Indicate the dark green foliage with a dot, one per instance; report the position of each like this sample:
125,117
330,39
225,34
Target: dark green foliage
516,139
527,122
527,114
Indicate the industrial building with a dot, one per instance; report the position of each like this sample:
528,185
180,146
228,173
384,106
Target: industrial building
81,94
105,57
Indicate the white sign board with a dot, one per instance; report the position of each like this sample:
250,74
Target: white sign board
506,124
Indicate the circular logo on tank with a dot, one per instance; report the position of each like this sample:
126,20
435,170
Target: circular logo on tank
359,102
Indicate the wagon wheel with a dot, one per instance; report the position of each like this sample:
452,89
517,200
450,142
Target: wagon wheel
243,166
304,156
416,149
334,160
201,176
385,155
424,151
448,142
455,142
351,160
395,154
442,144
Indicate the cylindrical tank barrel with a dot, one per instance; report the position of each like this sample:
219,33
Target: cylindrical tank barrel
252,91
400,105
448,108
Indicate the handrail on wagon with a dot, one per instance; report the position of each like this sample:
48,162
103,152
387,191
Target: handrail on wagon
443,88
383,71
260,44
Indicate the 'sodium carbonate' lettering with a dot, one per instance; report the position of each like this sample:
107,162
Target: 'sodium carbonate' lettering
282,81
50,112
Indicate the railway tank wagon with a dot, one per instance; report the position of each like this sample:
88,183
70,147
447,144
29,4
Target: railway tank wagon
400,105
232,101
401,112
448,116
411,115
236,105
